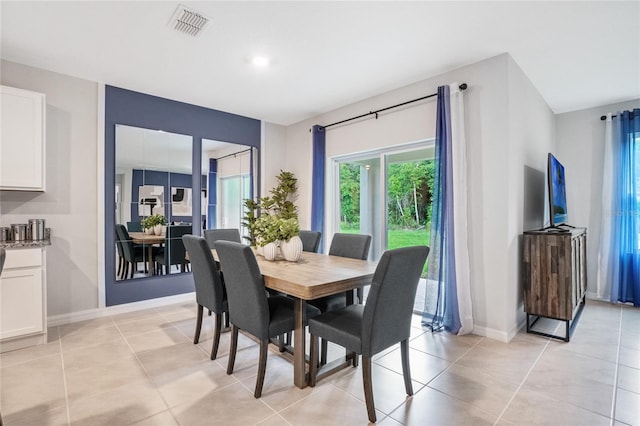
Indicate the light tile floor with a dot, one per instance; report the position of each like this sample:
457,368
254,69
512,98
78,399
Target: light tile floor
142,368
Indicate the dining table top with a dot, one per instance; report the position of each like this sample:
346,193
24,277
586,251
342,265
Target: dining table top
314,275
144,238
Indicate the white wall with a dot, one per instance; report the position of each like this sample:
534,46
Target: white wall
69,205
530,137
580,148
496,167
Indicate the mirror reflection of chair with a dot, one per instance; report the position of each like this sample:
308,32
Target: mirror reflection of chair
229,234
174,252
354,246
250,309
310,240
382,322
3,255
210,292
131,253
134,226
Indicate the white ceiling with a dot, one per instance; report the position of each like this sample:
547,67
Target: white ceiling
328,54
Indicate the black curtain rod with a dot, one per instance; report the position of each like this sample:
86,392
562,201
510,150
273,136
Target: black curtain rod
233,155
463,86
604,117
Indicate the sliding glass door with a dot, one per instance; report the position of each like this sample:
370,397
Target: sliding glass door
386,194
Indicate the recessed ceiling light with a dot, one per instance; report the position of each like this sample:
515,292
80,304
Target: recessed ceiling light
260,61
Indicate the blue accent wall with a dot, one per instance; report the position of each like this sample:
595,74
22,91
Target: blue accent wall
136,109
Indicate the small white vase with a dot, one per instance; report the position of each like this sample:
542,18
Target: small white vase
157,230
291,249
269,251
148,231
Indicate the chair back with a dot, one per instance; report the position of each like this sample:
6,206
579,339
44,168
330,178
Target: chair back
355,246
124,240
310,240
206,276
174,251
134,226
387,312
3,255
213,235
246,295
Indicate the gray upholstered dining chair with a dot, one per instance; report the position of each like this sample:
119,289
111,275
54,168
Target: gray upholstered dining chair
382,322
213,235
354,246
210,292
249,307
310,240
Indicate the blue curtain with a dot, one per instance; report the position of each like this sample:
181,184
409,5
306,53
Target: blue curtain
317,191
625,253
213,194
441,304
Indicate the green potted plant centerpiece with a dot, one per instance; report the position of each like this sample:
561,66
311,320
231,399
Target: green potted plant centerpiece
153,224
273,221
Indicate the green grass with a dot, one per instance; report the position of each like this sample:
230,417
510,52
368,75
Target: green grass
397,237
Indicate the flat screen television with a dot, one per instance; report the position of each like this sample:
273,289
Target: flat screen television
557,192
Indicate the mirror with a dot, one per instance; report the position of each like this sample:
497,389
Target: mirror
228,171
139,111
153,176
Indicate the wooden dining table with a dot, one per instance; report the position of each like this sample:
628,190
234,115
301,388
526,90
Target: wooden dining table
312,276
149,240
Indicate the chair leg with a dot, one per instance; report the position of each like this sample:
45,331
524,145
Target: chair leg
354,360
119,266
232,349
262,367
216,336
196,337
209,312
323,352
360,295
313,360
368,388
226,319
406,371
132,265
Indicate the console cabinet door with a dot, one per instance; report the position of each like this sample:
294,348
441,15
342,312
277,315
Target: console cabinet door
22,147
21,302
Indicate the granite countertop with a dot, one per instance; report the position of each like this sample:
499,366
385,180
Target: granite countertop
28,243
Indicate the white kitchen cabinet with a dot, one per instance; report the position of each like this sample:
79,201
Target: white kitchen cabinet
22,140
23,313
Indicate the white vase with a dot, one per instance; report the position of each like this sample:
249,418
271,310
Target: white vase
291,249
157,230
269,251
148,231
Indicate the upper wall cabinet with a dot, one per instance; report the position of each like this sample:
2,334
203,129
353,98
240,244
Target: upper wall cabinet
22,140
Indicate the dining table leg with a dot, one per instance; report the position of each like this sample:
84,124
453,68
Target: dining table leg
150,259
299,374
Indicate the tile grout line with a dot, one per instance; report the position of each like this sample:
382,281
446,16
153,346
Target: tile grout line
147,374
617,371
64,378
504,410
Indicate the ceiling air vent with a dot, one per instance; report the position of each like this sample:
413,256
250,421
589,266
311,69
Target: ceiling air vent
188,21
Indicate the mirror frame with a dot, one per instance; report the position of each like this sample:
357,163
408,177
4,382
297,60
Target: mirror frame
136,109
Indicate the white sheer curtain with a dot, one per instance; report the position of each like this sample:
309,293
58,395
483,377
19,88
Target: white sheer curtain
459,159
603,285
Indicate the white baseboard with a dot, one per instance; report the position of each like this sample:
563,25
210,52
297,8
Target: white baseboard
89,314
502,336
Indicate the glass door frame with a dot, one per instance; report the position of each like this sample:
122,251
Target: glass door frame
332,216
